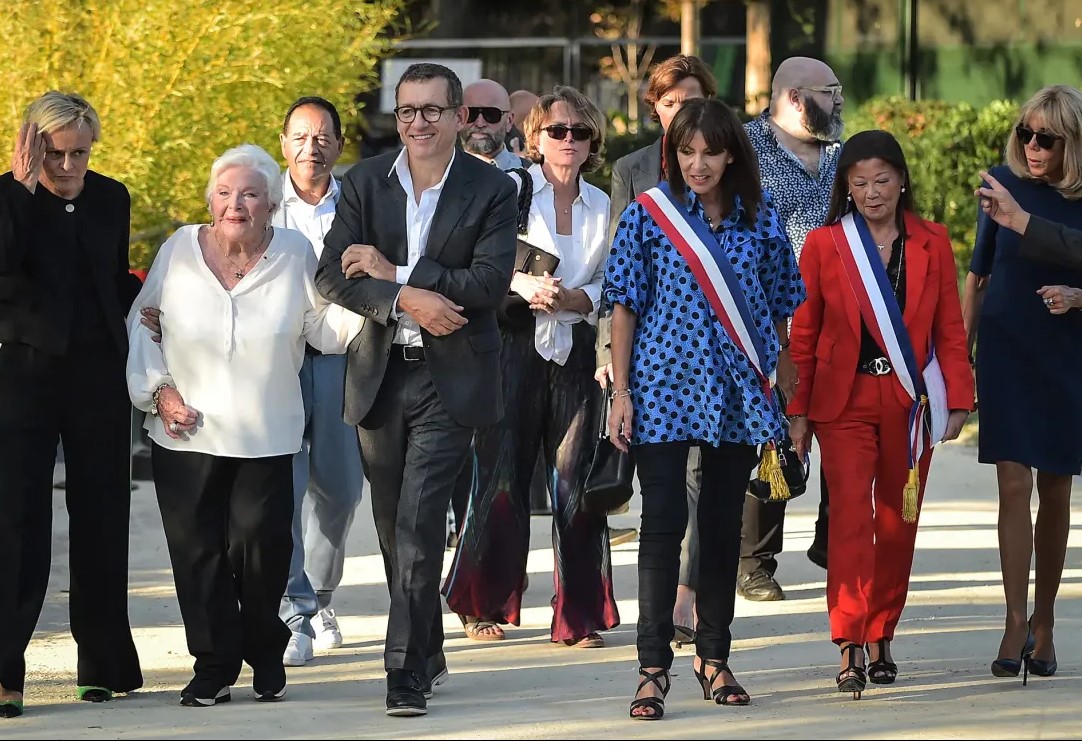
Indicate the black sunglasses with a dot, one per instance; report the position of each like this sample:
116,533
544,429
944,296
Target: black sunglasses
1044,140
578,132
491,115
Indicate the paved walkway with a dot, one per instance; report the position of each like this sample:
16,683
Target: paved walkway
528,688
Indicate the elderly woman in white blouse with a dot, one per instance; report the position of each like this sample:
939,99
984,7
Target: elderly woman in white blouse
550,398
237,302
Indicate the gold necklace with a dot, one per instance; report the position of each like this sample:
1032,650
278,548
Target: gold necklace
242,270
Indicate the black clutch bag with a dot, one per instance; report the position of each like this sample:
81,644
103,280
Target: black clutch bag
794,469
529,259
608,484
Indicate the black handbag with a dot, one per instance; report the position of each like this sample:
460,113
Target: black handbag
794,469
608,484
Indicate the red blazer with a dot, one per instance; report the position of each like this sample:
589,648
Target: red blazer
825,339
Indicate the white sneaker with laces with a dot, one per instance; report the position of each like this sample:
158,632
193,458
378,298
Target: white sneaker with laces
298,650
328,635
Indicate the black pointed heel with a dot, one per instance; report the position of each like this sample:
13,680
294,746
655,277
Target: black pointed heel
1008,667
853,678
882,671
720,695
655,704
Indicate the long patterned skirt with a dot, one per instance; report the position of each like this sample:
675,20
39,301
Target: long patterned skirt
554,409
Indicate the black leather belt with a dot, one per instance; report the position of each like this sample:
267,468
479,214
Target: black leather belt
308,349
408,354
875,367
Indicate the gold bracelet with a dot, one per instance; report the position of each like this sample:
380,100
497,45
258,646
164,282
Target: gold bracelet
621,393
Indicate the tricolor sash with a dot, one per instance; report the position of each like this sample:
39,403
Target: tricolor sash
867,276
712,269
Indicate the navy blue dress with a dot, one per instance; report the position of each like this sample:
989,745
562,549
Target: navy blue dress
1029,361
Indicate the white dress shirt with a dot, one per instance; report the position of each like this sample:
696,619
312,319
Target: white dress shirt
582,257
419,216
234,355
313,222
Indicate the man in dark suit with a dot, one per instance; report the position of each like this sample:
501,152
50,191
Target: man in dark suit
423,245
1042,240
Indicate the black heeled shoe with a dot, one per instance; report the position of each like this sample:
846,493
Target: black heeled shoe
1008,667
656,704
11,708
720,695
881,671
853,678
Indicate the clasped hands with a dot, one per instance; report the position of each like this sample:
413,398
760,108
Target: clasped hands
545,293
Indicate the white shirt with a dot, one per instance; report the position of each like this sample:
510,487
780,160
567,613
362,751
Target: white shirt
582,257
313,222
419,216
234,355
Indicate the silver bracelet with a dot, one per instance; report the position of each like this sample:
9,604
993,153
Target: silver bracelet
157,395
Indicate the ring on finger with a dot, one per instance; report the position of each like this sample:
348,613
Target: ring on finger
173,426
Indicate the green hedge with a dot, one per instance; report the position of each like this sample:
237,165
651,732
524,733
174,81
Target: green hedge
945,144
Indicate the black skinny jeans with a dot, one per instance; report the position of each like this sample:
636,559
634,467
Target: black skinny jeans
662,470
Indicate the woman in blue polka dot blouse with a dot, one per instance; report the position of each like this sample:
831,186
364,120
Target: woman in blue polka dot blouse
680,381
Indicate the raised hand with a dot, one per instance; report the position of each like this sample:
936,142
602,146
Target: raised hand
29,156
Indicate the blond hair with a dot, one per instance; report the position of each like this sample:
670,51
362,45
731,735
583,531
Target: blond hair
1061,108
578,103
56,110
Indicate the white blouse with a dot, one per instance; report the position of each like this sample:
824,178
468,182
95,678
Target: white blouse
234,355
582,257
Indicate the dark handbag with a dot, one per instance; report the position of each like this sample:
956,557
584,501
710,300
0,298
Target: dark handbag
793,468
529,259
608,484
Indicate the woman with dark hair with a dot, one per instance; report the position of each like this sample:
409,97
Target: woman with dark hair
1028,359
702,279
882,304
672,82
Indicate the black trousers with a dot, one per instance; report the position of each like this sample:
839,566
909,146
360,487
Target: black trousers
412,452
662,470
229,525
34,416
763,530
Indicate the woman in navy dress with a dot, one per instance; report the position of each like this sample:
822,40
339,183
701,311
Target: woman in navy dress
679,381
1028,361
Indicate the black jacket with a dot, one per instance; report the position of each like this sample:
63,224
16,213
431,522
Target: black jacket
43,250
1052,243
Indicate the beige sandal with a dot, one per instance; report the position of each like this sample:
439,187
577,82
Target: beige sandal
475,629
592,640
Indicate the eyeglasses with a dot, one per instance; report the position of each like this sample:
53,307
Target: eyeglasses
834,90
492,115
1044,140
430,112
578,132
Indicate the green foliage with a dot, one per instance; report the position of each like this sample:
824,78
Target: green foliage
945,145
177,82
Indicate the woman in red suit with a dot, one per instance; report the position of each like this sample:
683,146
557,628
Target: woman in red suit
851,397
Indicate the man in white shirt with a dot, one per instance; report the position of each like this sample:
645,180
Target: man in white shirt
327,479
423,245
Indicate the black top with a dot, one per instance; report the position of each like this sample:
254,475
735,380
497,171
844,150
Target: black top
869,349
65,280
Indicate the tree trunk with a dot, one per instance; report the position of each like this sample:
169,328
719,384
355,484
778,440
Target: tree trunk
689,27
757,72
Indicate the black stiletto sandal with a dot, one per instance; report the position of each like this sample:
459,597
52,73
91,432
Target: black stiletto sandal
720,695
853,678
656,704
881,671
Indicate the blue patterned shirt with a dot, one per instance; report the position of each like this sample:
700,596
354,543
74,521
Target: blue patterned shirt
688,381
802,199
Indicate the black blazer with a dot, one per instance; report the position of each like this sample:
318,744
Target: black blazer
1052,243
469,259
631,175
40,264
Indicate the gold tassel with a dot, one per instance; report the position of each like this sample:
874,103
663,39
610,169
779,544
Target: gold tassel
770,471
909,497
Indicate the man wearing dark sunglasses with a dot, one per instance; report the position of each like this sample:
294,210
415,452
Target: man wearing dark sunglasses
488,120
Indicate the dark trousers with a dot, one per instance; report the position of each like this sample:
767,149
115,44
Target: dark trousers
228,522
662,470
34,416
761,534
412,453
822,522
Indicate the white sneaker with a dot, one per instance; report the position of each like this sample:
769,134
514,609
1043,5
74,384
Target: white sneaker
298,650
328,635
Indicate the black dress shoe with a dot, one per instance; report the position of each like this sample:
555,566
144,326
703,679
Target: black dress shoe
438,678
405,693
817,555
760,586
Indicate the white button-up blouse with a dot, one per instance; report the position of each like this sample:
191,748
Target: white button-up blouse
234,355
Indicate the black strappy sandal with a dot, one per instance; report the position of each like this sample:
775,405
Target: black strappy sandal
720,695
882,671
852,678
656,704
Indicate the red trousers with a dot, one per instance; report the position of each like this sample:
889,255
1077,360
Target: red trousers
870,555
